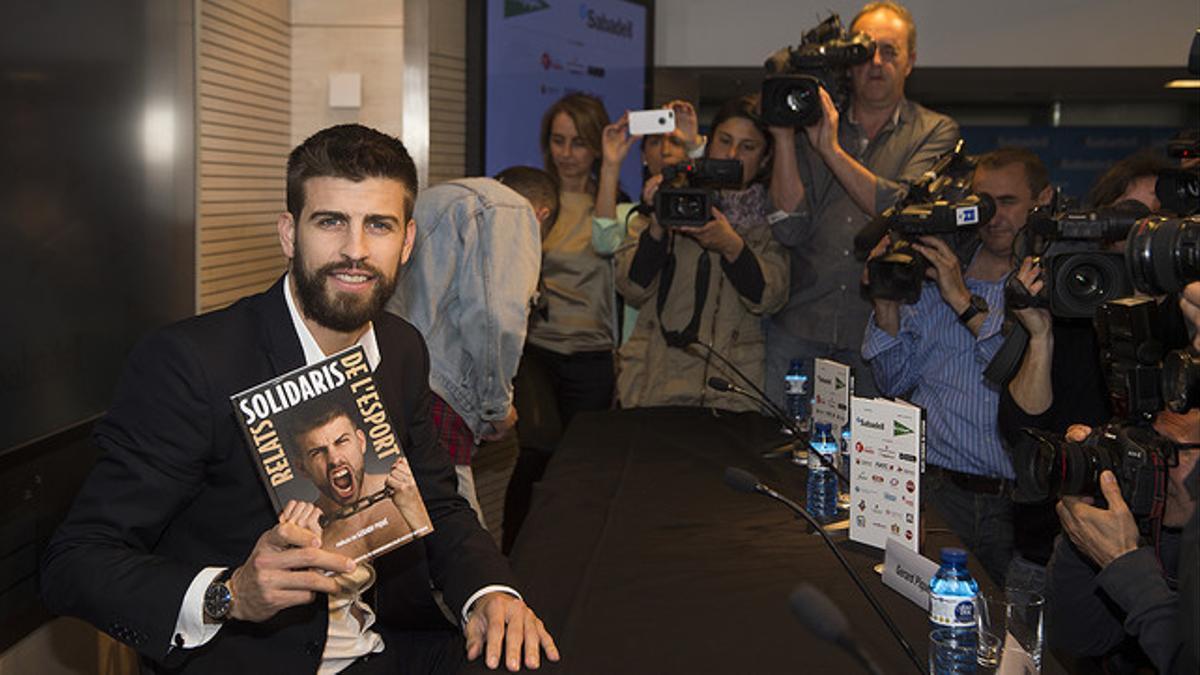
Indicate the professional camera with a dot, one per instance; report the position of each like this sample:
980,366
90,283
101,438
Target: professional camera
939,204
1179,190
689,190
790,94
1049,466
1084,266
1081,266
1142,376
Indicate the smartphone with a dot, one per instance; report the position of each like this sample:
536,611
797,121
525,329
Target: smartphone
648,122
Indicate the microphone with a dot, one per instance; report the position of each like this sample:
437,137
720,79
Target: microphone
818,614
721,384
746,482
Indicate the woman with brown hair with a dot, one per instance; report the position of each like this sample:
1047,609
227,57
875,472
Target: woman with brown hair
567,365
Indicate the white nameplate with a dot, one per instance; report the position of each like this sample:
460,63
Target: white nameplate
908,572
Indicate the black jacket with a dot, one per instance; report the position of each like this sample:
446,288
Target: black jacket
175,490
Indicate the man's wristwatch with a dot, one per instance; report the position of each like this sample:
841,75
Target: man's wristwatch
218,598
978,306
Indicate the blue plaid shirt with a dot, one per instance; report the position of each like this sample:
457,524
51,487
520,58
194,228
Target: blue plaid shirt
937,358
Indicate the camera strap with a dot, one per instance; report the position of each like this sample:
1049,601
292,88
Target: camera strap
690,332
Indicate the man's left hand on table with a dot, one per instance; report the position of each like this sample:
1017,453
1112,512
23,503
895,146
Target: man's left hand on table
501,623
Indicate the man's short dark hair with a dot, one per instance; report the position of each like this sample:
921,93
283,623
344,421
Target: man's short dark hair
1110,186
353,152
1036,174
539,187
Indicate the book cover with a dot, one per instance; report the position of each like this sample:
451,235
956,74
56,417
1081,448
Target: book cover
321,434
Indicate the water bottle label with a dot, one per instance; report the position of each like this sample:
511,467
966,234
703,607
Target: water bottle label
953,611
795,385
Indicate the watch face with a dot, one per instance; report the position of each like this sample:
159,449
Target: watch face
217,600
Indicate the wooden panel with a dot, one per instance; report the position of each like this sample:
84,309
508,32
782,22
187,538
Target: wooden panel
209,116
270,34
212,41
244,95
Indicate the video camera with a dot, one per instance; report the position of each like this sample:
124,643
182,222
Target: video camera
939,204
790,94
1083,267
689,190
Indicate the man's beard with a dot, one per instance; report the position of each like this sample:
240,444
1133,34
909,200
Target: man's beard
343,312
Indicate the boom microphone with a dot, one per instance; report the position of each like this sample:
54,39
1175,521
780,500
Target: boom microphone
818,614
746,482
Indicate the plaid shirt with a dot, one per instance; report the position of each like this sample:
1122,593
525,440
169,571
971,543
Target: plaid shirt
452,431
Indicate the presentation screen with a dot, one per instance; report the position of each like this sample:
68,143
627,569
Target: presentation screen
541,50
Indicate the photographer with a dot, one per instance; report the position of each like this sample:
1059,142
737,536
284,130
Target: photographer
709,283
836,176
938,349
1060,381
1107,585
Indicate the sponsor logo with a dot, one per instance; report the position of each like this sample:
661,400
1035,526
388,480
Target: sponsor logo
889,497
894,481
908,535
907,457
908,500
895,529
887,454
885,466
838,383
908,518
860,521
877,426
518,7
862,505
858,447
899,429
599,21
877,478
910,486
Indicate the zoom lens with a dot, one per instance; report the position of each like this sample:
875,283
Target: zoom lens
1163,254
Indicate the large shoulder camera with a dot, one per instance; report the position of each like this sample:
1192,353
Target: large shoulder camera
940,204
1049,466
790,94
1084,267
689,190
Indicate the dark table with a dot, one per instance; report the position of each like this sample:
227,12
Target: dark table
640,560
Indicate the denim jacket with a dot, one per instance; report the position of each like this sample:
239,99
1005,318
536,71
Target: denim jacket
467,289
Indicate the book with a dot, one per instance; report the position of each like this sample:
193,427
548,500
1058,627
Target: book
321,434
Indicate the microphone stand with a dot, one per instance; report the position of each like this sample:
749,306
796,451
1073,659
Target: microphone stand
744,481
722,385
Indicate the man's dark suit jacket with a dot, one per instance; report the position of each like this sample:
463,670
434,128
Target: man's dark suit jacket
176,490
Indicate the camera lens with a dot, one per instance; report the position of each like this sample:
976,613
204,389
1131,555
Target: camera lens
687,207
799,101
1085,281
1163,255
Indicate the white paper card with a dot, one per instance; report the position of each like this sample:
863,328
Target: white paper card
886,450
831,394
908,572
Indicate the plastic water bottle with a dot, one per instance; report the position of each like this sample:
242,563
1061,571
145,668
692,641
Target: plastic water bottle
822,482
952,594
844,489
795,386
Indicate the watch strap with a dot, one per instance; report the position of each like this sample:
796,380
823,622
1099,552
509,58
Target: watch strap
976,306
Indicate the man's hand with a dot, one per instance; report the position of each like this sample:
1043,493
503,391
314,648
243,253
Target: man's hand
1189,302
824,134
284,570
1102,534
717,235
1036,321
945,269
502,622
501,428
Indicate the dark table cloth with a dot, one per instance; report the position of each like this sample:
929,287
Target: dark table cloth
640,560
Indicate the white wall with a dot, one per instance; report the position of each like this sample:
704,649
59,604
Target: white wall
360,36
997,33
